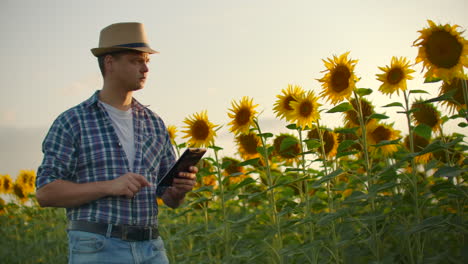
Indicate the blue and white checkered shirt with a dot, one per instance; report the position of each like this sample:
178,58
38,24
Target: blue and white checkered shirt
82,146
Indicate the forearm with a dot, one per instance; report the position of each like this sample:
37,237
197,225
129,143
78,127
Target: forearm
60,193
172,198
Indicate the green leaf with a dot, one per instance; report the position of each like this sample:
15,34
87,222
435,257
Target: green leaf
215,148
462,125
432,80
345,144
346,153
424,131
446,96
428,224
291,126
327,178
343,107
249,162
393,104
329,217
363,91
418,91
378,116
376,188
265,135
347,130
312,143
387,142
446,171
287,143
245,182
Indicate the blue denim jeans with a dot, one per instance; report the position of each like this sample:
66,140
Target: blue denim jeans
85,247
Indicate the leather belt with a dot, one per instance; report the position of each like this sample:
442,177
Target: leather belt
124,232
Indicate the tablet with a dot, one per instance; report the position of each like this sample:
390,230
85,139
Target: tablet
190,157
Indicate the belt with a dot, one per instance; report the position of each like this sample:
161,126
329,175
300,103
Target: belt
124,232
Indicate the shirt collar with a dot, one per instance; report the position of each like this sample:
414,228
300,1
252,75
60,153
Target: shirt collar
94,99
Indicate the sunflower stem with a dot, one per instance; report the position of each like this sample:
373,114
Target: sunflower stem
278,240
413,180
226,234
305,187
465,96
370,180
329,194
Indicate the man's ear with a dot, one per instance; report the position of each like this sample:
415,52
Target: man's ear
108,63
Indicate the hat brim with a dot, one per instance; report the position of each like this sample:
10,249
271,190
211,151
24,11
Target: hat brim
101,51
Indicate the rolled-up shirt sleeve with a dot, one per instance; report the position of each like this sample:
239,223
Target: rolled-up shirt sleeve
60,154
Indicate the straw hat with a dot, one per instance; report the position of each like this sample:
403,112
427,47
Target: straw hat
123,36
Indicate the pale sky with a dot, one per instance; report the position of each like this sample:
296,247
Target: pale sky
211,52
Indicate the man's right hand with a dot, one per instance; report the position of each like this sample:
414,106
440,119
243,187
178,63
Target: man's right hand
128,184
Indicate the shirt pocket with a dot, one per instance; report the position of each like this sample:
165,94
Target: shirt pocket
151,150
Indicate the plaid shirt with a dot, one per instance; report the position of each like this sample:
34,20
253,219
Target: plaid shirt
82,146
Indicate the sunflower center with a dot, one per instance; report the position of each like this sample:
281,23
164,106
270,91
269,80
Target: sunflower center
426,115
306,108
443,49
249,143
329,142
288,100
243,116
200,130
381,133
395,75
340,78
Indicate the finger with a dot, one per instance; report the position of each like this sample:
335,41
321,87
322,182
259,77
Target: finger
193,169
133,188
187,175
129,194
142,180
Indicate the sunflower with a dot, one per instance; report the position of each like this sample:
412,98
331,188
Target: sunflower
172,131
394,77
2,206
305,110
233,168
6,184
207,171
27,179
455,85
242,115
376,133
200,130
248,144
442,50
282,107
339,80
351,116
20,192
419,144
330,140
427,114
287,147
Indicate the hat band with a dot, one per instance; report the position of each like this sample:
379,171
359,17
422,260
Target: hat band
133,45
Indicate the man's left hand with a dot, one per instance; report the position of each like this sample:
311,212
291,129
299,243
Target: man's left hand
185,182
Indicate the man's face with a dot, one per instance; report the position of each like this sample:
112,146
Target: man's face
130,70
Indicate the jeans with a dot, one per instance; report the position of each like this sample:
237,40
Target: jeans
85,247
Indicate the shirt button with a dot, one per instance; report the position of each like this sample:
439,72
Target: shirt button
120,144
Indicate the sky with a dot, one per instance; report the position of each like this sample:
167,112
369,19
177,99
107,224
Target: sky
211,53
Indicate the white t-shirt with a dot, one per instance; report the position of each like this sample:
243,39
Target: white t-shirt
123,125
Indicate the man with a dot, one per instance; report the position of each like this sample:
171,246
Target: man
104,157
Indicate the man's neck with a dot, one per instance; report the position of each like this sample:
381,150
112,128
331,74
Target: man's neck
117,98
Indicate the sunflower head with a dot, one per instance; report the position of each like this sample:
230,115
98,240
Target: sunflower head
247,145
395,76
6,184
287,147
339,80
200,131
352,117
282,107
231,168
242,115
456,87
376,133
27,179
419,144
442,50
330,140
172,131
20,192
427,114
305,110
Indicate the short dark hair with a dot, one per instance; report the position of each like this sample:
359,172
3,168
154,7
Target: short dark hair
102,57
